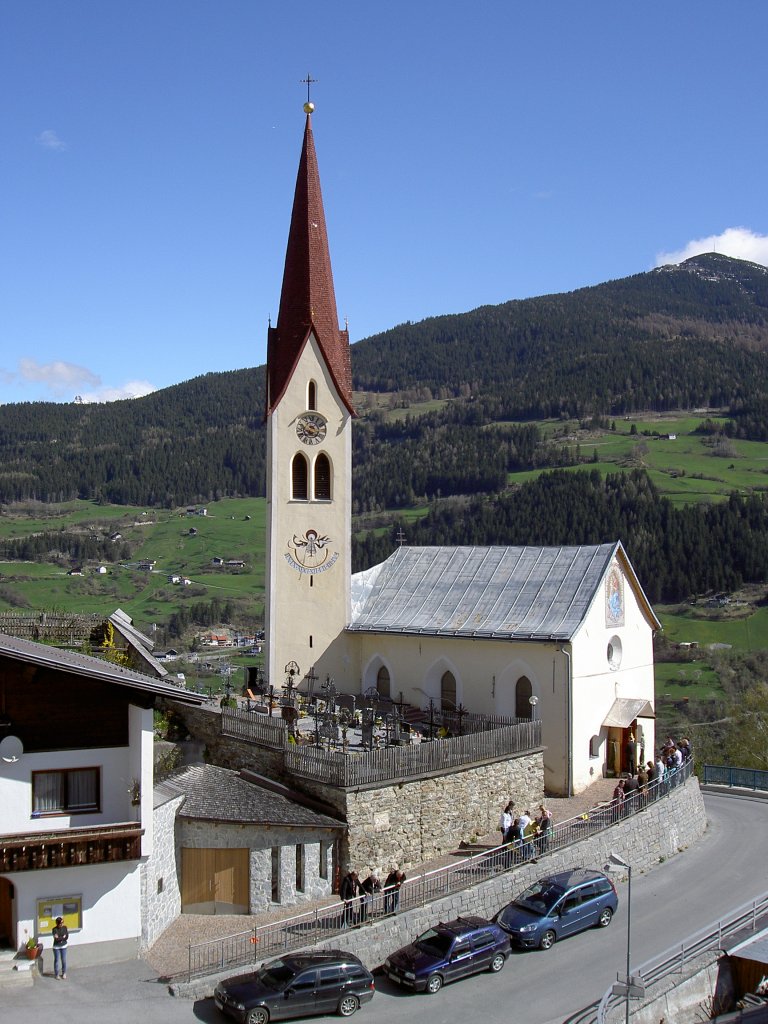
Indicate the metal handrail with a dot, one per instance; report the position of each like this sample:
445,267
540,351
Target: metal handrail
254,945
741,778
674,959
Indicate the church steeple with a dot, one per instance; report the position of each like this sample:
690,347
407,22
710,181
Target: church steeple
307,300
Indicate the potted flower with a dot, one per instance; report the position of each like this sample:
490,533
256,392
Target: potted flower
31,948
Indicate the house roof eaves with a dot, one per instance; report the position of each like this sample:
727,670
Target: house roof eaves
62,660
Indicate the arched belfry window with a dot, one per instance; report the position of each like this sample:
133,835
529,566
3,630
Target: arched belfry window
448,692
382,681
299,478
312,396
523,692
322,478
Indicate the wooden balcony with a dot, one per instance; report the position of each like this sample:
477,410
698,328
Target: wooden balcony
72,847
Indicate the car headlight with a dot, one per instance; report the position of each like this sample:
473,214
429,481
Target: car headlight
238,1006
387,963
409,975
527,928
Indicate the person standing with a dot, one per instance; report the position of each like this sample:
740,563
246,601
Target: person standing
506,820
395,879
60,940
617,806
350,893
369,891
543,829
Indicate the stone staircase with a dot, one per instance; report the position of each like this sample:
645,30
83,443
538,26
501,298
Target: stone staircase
16,971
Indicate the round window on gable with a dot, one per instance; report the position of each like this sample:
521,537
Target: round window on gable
614,652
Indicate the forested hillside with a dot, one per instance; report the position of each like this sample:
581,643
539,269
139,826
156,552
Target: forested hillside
693,336
676,552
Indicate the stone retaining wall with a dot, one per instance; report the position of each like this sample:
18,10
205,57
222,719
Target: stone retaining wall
664,829
402,822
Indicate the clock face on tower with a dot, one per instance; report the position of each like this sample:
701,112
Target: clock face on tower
311,428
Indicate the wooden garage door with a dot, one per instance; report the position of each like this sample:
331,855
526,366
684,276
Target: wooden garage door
214,881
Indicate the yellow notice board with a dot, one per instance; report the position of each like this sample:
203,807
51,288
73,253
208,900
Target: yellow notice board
70,908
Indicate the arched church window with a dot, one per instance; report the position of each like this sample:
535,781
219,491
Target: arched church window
299,478
448,692
523,691
382,681
594,746
312,396
322,478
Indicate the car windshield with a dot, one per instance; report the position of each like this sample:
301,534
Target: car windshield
436,943
539,898
275,975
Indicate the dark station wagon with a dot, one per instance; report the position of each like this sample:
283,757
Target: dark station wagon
559,905
448,952
297,985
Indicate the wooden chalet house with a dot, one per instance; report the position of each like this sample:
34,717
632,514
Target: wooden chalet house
76,805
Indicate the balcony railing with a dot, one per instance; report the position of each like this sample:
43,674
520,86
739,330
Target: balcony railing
33,851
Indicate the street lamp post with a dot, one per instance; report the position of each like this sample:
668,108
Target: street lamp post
533,701
615,862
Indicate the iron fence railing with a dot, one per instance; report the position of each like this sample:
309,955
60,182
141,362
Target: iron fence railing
323,922
743,778
388,763
361,767
749,916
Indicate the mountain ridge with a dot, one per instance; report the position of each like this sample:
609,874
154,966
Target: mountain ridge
679,337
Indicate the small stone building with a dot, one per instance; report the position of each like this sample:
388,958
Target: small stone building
237,843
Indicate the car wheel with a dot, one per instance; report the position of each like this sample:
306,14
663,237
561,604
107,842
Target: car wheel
605,918
258,1016
547,940
497,963
348,1006
434,983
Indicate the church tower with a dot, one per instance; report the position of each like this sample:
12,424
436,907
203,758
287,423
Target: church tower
309,449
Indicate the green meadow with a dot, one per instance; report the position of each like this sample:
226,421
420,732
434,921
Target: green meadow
178,544
684,468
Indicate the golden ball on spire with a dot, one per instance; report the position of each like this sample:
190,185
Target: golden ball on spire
309,107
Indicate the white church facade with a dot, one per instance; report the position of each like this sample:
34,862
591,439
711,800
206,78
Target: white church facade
561,634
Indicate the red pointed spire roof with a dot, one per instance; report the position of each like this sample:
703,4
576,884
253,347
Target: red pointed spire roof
307,300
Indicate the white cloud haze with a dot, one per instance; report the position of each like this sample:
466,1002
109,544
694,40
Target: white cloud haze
50,140
131,389
740,243
59,377
66,381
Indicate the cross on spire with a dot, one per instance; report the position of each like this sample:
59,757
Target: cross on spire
308,81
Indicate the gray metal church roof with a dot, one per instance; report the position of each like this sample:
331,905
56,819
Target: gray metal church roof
517,593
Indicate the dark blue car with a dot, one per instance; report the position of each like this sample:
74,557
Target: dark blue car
558,906
447,952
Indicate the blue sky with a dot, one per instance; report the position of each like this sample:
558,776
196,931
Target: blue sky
469,154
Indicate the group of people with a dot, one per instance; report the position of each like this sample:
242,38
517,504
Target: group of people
525,835
365,899
652,778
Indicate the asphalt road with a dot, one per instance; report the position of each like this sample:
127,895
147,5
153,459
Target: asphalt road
726,868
